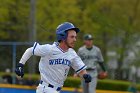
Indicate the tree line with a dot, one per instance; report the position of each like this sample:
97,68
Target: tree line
113,23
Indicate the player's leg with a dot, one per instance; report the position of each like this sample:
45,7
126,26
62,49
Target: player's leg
49,90
92,85
44,89
84,87
39,89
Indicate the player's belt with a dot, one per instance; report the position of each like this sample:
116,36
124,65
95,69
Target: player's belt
51,86
88,69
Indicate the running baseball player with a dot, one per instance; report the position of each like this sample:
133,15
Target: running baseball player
91,56
56,60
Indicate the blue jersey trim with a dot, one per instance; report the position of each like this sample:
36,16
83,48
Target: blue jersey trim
60,49
56,43
81,68
34,47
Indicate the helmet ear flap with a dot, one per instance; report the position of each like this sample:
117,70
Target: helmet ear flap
62,35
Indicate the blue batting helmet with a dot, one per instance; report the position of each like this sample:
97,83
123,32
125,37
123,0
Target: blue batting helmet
61,31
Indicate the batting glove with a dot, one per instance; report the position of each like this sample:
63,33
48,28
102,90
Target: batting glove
20,70
87,78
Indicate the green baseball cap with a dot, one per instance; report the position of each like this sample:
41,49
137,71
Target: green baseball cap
88,37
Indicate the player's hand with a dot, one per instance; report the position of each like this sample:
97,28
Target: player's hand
87,78
102,75
20,70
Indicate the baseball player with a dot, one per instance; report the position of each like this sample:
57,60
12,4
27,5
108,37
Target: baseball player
91,56
56,60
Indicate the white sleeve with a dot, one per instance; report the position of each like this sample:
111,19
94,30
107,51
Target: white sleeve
77,64
27,54
40,50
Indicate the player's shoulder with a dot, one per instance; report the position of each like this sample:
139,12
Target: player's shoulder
51,46
55,43
96,48
72,52
48,45
81,48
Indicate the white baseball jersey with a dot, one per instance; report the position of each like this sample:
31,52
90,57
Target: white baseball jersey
54,64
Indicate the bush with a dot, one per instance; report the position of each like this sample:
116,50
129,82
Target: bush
113,85
72,82
102,84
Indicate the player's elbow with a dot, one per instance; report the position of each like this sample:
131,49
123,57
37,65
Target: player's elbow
29,50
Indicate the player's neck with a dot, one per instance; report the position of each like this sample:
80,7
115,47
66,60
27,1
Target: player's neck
90,46
64,47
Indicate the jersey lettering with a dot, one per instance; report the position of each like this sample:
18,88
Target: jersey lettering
88,57
59,61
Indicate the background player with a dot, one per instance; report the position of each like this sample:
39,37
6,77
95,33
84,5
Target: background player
91,56
56,60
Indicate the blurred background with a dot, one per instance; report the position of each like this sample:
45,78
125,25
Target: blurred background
113,23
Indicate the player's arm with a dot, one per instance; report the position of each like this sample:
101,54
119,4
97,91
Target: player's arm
81,73
79,54
37,50
101,60
20,67
84,75
79,68
103,74
103,67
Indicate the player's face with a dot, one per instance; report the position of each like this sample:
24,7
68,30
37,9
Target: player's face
88,43
71,38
